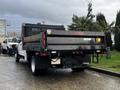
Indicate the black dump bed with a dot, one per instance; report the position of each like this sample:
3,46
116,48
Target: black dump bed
57,39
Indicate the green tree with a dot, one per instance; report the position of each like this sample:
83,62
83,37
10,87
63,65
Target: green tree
83,23
100,18
87,23
101,21
117,32
80,23
117,24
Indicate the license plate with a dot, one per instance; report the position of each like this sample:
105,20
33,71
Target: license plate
56,61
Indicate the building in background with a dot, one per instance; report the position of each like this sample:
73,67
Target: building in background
2,29
13,34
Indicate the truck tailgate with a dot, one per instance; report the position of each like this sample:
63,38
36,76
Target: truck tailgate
75,40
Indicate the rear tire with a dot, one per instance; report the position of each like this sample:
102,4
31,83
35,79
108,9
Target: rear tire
34,66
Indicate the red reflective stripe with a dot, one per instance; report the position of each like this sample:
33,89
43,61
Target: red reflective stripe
78,33
43,40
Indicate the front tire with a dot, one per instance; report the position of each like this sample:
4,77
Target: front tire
17,59
4,51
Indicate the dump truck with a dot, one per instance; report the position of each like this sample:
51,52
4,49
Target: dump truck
51,46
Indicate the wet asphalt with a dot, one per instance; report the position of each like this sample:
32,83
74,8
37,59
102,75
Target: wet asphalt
17,76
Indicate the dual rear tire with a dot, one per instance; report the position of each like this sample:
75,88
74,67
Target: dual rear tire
33,62
35,68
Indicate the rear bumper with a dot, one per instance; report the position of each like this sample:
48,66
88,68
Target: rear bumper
68,66
73,62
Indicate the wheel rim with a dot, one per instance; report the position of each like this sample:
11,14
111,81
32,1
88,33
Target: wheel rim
33,65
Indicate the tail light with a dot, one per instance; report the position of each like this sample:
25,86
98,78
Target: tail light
44,40
98,40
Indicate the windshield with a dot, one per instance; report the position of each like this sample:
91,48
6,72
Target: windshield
13,40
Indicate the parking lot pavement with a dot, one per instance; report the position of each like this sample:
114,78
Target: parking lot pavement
15,76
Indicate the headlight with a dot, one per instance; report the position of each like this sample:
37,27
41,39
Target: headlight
98,40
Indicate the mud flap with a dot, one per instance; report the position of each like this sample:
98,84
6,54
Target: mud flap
43,62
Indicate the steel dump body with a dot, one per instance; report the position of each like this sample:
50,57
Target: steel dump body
61,40
74,40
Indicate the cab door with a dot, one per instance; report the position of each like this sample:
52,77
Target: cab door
22,52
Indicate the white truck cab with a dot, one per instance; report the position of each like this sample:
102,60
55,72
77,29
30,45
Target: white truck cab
9,45
20,53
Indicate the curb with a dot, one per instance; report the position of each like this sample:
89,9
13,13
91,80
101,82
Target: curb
116,74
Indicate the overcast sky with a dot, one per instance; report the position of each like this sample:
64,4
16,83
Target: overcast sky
53,11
